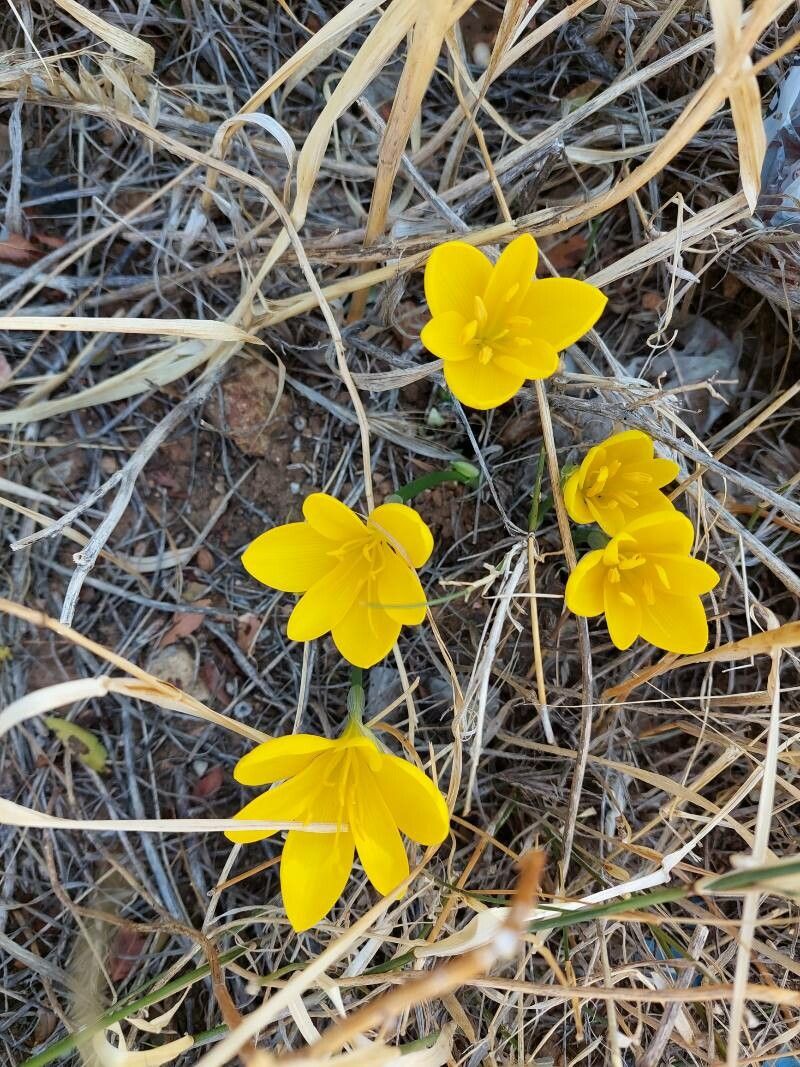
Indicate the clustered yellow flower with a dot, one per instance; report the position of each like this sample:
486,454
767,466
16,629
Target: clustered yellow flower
494,326
645,580
358,579
370,796
618,481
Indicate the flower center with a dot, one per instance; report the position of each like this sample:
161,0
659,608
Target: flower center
367,548
486,331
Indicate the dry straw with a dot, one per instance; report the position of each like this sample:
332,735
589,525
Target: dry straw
665,790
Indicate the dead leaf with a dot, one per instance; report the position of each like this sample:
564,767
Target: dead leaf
18,249
652,301
204,560
209,784
186,622
126,948
567,254
247,627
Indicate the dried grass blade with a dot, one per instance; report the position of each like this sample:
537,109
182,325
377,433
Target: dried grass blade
744,94
432,21
786,636
113,36
199,329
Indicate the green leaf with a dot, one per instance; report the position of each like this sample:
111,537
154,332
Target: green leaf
89,750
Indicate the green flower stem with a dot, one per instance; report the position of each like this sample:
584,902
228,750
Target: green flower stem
136,1002
355,697
460,471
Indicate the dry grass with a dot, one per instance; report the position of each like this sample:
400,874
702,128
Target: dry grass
215,224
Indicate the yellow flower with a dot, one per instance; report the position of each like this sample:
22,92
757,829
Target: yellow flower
351,783
647,584
358,578
495,326
619,481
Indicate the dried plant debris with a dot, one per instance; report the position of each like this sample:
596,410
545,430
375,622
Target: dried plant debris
215,224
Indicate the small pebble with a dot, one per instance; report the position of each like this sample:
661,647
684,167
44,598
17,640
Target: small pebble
481,54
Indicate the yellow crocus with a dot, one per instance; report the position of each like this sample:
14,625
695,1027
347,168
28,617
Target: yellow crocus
351,783
648,585
358,579
496,326
619,481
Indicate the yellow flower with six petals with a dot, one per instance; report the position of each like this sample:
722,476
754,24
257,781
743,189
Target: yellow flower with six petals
496,326
648,585
358,579
618,481
372,796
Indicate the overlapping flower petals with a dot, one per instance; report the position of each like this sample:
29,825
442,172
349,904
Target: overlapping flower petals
647,585
371,796
358,579
619,480
496,326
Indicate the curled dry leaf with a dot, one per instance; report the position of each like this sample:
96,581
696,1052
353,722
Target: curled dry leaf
109,1055
186,622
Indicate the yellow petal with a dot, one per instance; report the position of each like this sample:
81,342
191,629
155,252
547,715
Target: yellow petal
454,275
400,593
662,471
290,558
282,757
405,530
611,517
630,446
314,872
563,309
623,620
584,592
676,624
332,518
687,575
511,277
667,532
366,634
290,802
443,335
574,500
481,385
415,804
327,601
378,842
538,360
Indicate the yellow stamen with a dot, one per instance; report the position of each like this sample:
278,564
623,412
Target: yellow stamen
637,479
626,598
511,293
614,576
469,332
626,499
522,342
663,577
481,314
611,553
485,355
599,483
632,563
